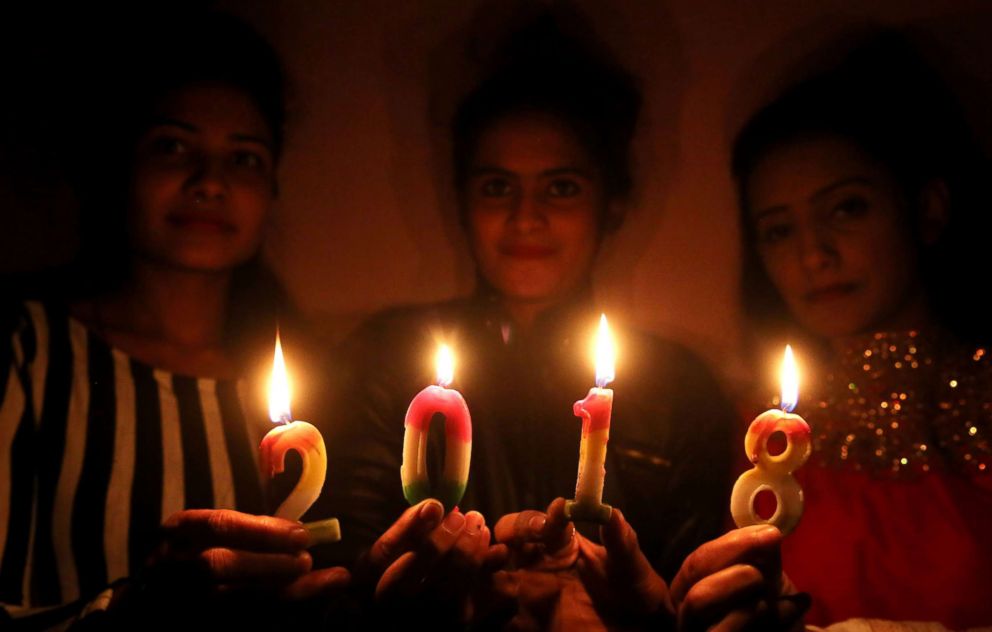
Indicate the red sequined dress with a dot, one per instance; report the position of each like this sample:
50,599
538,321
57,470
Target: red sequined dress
898,517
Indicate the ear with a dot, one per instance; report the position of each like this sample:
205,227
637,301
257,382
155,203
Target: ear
934,211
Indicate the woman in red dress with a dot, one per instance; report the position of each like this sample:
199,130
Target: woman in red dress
854,200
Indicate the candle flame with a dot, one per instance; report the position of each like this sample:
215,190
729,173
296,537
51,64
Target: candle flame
606,354
444,361
279,388
790,381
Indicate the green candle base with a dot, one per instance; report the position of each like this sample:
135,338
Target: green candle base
449,493
322,531
588,512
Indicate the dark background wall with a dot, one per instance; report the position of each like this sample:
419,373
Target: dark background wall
365,218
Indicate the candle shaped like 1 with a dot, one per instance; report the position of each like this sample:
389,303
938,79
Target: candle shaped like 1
457,438
773,473
595,411
307,441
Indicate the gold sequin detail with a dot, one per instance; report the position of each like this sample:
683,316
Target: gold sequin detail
899,404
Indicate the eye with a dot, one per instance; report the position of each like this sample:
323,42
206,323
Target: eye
850,208
169,146
248,159
495,187
563,188
774,233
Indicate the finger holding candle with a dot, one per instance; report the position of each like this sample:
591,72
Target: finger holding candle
222,547
736,582
539,540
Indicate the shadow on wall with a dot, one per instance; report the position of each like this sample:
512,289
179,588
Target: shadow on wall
956,47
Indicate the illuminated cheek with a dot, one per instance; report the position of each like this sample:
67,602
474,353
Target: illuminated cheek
484,235
785,273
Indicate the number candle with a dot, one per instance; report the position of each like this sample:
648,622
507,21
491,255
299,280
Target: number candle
458,438
306,440
595,412
774,472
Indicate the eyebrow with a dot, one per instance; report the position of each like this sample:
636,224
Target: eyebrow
568,171
557,171
183,125
820,193
488,170
838,184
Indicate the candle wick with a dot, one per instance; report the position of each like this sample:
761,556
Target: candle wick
286,419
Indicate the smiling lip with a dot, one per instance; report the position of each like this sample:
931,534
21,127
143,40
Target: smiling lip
200,221
523,251
830,292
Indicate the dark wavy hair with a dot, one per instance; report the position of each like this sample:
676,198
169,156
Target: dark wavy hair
888,101
543,70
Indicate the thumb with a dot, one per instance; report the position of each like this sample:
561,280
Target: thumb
621,544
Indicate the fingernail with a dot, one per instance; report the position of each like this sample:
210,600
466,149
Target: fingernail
454,522
304,561
431,513
767,532
536,524
474,522
299,536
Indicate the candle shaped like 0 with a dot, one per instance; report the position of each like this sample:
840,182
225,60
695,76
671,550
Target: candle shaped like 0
773,473
307,441
457,438
595,411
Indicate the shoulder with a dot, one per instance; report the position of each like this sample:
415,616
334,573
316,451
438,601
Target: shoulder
27,324
664,358
665,380
398,328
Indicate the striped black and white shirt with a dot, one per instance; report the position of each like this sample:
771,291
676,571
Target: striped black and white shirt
96,450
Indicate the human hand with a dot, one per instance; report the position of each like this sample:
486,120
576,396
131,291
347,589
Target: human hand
735,582
605,584
431,558
218,551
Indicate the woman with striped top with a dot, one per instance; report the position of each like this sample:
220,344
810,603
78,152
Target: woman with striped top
129,492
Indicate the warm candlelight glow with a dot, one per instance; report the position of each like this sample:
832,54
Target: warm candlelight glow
606,354
279,388
445,363
790,381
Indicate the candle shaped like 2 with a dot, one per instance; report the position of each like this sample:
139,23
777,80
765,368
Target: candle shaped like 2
457,438
773,473
307,441
595,411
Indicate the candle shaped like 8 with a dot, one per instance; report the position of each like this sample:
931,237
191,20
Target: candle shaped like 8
308,442
595,411
773,473
457,438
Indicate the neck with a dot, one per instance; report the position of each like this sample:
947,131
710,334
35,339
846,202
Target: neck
914,314
181,307
525,313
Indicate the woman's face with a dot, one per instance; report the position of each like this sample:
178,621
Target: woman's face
834,235
534,201
203,180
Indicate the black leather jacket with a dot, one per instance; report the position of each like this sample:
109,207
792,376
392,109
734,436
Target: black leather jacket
669,451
